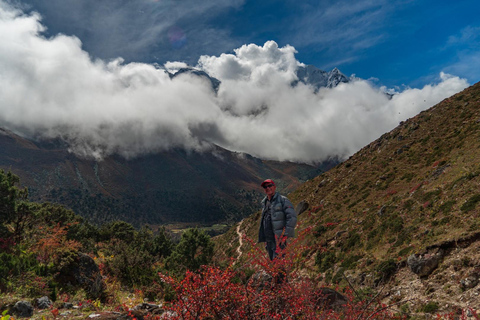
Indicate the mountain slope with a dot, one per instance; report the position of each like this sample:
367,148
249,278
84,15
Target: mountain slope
415,190
317,78
198,188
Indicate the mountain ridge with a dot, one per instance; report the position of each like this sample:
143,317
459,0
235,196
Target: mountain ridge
206,188
308,75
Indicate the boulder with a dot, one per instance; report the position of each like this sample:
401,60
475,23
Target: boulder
470,281
330,299
149,308
43,303
301,207
23,309
82,272
68,305
424,264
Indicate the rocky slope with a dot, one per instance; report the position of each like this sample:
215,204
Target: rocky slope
401,216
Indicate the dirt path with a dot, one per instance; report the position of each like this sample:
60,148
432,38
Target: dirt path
240,240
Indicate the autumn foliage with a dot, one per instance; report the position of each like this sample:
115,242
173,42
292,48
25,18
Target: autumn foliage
274,291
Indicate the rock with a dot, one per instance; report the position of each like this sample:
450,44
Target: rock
402,148
382,210
82,272
68,305
44,303
110,316
438,171
330,299
301,207
169,315
261,280
149,308
23,309
470,281
423,265
339,234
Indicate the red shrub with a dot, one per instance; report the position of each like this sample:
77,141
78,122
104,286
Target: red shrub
216,293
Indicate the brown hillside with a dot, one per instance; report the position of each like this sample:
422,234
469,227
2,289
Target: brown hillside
415,190
174,187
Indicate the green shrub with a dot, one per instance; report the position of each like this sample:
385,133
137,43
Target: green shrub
407,176
446,207
386,269
194,250
405,251
408,205
430,307
431,195
471,203
319,230
353,240
369,222
350,262
392,222
338,277
325,260
31,285
130,265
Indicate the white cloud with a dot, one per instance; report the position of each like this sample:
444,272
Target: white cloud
174,66
341,26
52,88
465,48
467,36
146,29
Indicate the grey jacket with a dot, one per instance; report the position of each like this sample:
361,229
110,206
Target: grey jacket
284,217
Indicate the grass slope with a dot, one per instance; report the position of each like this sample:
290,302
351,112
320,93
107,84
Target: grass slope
413,190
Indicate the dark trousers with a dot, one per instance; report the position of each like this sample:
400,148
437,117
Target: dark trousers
271,247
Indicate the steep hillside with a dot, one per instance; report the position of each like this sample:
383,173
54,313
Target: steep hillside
415,190
170,187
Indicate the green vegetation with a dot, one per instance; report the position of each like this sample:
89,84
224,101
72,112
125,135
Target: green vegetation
325,260
447,206
386,269
471,203
430,307
41,246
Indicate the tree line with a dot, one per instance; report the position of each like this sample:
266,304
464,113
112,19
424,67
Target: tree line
39,240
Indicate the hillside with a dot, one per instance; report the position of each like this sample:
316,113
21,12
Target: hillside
175,187
413,192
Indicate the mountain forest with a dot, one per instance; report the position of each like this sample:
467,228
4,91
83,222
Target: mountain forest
393,232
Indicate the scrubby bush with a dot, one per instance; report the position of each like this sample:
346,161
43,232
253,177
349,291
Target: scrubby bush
471,203
228,293
385,270
194,250
430,307
324,260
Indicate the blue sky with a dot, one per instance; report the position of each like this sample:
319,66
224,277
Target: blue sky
399,42
92,73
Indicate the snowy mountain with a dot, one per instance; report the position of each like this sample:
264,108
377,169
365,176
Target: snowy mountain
199,73
317,78
309,75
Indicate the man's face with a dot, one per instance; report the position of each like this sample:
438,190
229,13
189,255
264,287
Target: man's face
269,189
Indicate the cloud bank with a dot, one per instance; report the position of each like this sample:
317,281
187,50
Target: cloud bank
51,88
140,29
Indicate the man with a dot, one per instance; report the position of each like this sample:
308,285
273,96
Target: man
278,219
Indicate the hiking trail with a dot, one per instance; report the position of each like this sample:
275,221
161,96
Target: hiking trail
240,240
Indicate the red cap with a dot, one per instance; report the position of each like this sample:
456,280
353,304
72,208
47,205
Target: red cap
267,181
